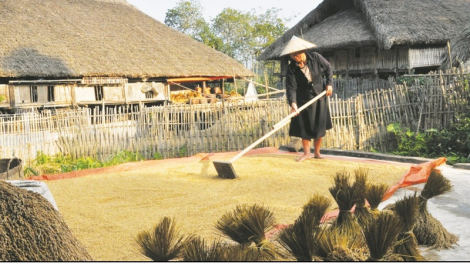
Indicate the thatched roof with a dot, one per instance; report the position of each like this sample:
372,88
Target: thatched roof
75,38
352,23
460,48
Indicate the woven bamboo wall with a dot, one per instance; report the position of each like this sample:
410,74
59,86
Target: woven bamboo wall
361,111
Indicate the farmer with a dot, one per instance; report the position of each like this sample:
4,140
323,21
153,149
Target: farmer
304,82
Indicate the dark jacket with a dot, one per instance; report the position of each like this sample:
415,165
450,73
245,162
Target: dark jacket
313,121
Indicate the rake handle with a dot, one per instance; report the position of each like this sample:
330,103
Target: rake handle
286,119
277,126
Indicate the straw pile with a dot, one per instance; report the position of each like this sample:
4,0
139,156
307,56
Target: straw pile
428,230
407,249
32,230
362,213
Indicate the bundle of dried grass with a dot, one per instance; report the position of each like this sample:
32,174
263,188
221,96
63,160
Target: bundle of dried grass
164,243
345,195
380,234
407,248
32,230
248,224
362,212
374,195
197,250
335,245
428,230
317,207
299,238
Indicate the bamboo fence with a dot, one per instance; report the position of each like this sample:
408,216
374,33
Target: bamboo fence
361,110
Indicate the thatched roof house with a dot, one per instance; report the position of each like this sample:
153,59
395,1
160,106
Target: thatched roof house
76,39
374,36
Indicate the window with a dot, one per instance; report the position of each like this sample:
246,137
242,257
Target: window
99,93
50,93
33,91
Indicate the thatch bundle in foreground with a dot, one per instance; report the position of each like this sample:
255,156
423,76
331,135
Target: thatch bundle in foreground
407,248
164,242
299,239
380,234
32,230
362,213
428,230
346,196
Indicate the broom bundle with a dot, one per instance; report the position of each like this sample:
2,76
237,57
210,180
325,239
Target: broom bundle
380,234
362,213
407,247
428,230
299,238
345,195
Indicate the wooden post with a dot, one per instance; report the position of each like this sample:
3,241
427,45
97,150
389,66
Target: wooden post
266,82
450,54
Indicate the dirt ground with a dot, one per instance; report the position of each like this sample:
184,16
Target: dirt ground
107,208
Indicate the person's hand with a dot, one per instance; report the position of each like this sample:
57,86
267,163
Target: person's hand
294,108
329,90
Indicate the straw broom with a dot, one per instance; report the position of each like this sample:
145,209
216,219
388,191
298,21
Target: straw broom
380,234
164,243
362,213
407,248
428,230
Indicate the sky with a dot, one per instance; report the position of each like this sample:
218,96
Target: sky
290,9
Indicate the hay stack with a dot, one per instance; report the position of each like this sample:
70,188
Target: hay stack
32,230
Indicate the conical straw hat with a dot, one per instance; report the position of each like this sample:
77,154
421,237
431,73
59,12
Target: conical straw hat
297,44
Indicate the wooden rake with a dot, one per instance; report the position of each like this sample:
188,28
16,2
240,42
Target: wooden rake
225,169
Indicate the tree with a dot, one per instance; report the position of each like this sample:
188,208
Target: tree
186,17
241,35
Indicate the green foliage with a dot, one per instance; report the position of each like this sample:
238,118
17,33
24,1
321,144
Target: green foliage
183,151
453,143
59,163
241,35
123,157
157,156
81,164
2,98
